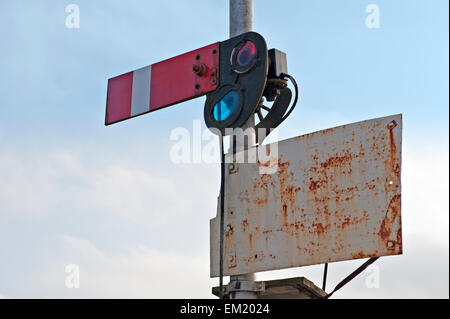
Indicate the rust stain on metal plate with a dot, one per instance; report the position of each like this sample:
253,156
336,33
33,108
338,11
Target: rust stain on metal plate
336,195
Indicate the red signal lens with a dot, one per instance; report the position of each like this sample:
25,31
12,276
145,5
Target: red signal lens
245,54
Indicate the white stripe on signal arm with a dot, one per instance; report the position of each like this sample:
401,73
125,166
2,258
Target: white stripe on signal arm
140,98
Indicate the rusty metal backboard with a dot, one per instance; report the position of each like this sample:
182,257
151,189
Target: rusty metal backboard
336,195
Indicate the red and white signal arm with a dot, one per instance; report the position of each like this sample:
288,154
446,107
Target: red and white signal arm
162,84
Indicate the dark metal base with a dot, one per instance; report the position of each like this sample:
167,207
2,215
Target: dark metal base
290,288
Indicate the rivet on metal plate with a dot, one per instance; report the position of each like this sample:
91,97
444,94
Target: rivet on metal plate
390,244
392,124
231,261
232,168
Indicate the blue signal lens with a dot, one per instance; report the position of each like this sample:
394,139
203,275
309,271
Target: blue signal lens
226,106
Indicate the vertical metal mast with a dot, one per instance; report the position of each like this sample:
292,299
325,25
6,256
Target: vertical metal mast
241,21
241,17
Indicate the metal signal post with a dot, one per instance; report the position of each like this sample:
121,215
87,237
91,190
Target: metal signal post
241,21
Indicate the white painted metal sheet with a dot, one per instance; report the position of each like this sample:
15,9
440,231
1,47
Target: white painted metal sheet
335,195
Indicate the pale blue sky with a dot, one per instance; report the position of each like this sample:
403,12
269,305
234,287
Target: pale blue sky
60,166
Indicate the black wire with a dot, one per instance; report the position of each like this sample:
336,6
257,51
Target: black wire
352,275
284,75
222,207
325,271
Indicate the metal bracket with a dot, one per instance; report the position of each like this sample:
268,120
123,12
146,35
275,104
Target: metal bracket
289,288
244,285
